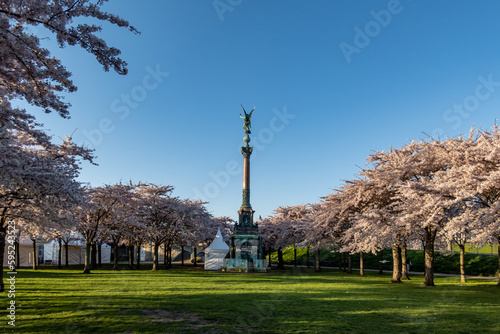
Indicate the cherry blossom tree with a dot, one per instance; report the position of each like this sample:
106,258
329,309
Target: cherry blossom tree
135,237
157,211
432,179
119,221
288,226
196,226
323,223
100,202
375,222
357,198
270,230
423,211
28,71
37,180
462,222
483,180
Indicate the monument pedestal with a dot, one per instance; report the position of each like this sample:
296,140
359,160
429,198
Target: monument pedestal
245,254
245,250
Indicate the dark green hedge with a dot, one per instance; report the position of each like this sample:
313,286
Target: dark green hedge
447,263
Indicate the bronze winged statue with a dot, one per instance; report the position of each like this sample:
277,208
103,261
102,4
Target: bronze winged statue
246,124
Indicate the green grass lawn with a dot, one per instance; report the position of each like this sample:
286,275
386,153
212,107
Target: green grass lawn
188,300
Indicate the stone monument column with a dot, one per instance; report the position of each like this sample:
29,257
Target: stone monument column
245,222
246,243
246,151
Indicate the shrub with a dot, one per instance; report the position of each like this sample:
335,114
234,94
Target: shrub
446,263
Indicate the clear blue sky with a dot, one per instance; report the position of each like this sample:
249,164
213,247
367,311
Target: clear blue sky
349,76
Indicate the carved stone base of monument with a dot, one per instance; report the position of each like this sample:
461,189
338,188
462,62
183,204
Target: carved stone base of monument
245,250
245,254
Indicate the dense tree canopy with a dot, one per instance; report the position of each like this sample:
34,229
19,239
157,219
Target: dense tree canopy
28,71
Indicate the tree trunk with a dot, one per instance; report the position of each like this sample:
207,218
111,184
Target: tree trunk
99,258
430,235
281,264
462,263
34,254
349,264
66,251
93,256
396,264
3,234
269,262
130,250
308,257
87,268
18,253
155,256
182,255
294,256
361,264
195,263
317,260
115,266
498,260
400,262
405,275
169,253
59,254
380,264
138,255
165,259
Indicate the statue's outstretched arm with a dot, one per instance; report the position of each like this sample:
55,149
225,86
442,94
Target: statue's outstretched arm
244,110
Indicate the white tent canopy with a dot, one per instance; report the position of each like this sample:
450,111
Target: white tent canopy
216,252
76,252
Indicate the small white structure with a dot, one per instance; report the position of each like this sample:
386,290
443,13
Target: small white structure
76,253
48,252
216,252
25,252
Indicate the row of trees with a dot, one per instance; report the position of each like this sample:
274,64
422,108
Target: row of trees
136,214
119,214
430,193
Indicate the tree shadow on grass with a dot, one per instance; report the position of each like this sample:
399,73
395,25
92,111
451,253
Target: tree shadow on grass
291,302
